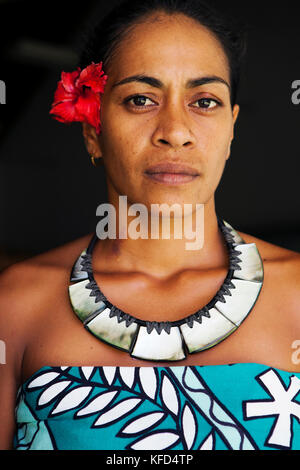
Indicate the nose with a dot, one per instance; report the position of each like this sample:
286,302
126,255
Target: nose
173,128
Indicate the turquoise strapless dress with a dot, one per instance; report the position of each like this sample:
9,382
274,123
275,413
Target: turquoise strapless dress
245,406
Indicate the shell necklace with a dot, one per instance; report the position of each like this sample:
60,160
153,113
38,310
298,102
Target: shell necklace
171,341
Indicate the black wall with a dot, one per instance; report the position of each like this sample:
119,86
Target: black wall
49,190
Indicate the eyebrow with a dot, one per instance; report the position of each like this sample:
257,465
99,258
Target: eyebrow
192,83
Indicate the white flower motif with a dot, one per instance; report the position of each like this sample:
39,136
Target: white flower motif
127,375
97,403
109,373
148,381
156,441
283,406
188,426
52,391
87,371
43,379
142,423
208,443
169,395
116,412
72,399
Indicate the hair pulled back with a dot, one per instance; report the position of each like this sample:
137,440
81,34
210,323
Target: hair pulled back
101,42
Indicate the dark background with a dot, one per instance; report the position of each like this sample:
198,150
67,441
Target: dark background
49,189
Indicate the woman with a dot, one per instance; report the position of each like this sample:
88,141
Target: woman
171,385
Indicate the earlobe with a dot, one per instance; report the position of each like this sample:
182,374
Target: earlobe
91,140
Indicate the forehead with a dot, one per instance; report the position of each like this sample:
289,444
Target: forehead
170,44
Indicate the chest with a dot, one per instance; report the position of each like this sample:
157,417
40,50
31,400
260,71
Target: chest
59,337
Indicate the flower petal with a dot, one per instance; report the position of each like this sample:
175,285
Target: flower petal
68,80
88,108
93,77
62,95
65,112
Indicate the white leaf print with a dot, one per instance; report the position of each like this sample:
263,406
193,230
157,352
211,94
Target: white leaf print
148,381
64,367
109,373
87,371
43,379
72,399
169,395
52,391
156,441
143,423
208,443
188,425
117,411
127,375
98,403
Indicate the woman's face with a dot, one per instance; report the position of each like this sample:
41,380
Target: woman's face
166,120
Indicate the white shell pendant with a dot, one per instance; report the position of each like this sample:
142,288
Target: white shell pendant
171,341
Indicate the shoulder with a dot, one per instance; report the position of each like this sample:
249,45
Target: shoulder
282,276
281,261
27,287
28,277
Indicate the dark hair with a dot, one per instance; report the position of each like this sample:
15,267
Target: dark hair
102,41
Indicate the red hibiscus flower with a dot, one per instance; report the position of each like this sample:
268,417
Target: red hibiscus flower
77,97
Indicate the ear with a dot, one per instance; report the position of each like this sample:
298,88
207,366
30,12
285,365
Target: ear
91,140
235,113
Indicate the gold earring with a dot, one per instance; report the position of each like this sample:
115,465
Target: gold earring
96,161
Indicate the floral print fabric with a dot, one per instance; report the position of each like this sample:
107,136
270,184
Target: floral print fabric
239,406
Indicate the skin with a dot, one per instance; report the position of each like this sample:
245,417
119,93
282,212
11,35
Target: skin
37,322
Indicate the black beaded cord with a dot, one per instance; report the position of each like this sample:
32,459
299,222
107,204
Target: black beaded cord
224,290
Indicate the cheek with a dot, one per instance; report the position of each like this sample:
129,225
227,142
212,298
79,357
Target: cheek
120,157
213,140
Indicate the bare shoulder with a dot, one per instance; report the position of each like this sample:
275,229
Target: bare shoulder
269,250
28,277
28,286
282,272
288,260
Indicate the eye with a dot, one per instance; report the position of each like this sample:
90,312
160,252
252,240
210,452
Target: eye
138,101
207,103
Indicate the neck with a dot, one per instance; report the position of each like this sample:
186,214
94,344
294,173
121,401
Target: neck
162,258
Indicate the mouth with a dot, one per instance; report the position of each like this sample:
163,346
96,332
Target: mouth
171,173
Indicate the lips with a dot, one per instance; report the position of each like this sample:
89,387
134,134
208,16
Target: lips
171,173
172,168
